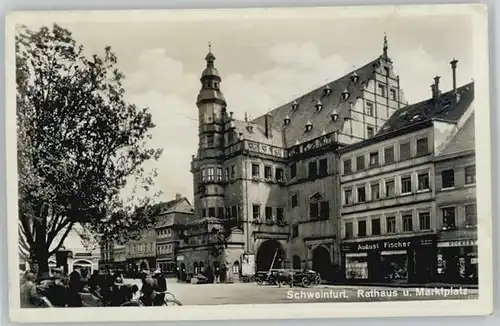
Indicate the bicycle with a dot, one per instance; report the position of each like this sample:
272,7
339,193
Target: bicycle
169,300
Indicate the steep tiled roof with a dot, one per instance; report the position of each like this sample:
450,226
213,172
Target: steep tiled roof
420,115
444,108
464,140
306,110
258,133
170,205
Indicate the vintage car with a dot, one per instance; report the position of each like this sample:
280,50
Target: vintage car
291,277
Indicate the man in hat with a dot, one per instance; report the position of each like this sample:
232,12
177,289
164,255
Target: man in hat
160,288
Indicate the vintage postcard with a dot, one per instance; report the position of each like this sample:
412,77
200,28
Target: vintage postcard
249,163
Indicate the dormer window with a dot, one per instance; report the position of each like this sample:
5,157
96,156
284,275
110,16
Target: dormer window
354,77
308,126
327,90
334,115
318,106
286,121
345,94
295,105
250,128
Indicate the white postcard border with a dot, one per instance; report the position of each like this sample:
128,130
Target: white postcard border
481,306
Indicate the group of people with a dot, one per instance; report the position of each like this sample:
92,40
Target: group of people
101,289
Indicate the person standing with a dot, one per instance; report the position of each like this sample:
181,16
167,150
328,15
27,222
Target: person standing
29,295
148,290
160,288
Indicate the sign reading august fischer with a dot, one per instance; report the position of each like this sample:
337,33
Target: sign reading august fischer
390,244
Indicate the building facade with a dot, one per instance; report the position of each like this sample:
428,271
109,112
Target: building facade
169,227
392,194
277,175
456,208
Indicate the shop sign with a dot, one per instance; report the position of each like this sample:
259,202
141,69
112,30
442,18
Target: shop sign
457,243
390,244
180,258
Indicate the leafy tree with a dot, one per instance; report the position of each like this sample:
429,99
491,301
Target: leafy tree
79,143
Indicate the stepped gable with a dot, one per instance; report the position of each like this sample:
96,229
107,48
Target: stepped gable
463,141
306,111
446,107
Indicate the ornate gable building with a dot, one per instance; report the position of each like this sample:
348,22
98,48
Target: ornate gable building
278,175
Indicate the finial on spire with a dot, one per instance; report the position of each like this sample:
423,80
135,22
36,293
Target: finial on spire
385,45
209,46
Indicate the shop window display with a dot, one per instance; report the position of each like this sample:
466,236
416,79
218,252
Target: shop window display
356,268
396,264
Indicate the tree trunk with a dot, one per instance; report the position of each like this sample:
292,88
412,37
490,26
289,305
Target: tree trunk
41,250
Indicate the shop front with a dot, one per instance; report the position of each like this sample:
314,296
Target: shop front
457,261
396,260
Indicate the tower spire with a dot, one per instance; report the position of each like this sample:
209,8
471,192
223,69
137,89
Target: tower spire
385,46
209,46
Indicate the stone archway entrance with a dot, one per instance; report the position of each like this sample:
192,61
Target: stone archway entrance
267,250
321,262
143,266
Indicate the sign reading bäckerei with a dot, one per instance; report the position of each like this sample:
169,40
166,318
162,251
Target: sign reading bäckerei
389,244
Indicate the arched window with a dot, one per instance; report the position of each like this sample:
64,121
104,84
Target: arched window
236,267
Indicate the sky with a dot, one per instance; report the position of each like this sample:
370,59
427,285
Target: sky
264,62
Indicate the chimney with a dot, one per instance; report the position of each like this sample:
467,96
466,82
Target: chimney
454,73
268,129
178,196
436,85
433,90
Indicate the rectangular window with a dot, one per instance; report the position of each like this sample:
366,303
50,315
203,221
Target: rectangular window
313,210
448,178
375,189
470,215
407,223
424,220
295,200
404,151
256,211
389,188
203,175
381,90
268,172
423,181
226,173
376,226
348,230
233,172
374,159
422,146
347,166
293,170
228,212
406,185
219,174
269,213
210,176
369,131
448,218
389,155
220,212
255,170
362,228
204,212
393,95
313,172
348,197
280,214
360,163
295,231
470,175
234,211
369,109
324,210
211,212
361,194
323,167
279,174
210,141
391,224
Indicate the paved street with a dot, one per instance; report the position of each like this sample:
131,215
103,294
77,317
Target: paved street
251,293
